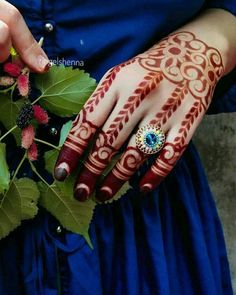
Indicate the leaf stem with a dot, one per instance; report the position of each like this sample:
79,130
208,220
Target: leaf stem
19,166
9,131
47,143
37,99
36,172
11,88
14,176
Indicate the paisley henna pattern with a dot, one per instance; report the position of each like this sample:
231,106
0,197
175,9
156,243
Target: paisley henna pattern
188,64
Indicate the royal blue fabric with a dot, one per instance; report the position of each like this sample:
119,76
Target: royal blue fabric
167,243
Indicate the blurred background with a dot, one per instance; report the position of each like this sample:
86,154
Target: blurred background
216,143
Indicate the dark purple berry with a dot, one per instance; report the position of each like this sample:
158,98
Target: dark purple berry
25,116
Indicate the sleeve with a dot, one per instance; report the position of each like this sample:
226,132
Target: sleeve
229,5
224,99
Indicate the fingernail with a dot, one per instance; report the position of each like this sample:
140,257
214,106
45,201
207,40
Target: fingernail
81,194
42,62
48,66
103,195
60,173
145,189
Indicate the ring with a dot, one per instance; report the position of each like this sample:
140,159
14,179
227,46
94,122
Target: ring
150,139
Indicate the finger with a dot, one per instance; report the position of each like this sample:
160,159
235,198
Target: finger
91,117
117,129
5,41
176,143
22,39
166,160
127,165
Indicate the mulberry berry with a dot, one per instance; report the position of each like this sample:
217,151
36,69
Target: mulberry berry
40,114
24,116
23,85
27,136
12,69
32,152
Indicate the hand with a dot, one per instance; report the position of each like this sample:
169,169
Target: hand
170,85
14,32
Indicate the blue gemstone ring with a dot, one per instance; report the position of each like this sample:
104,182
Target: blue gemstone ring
150,139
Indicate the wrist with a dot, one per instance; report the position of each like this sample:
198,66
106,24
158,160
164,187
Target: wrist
217,28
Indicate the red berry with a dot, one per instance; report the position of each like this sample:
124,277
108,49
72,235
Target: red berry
40,114
27,136
32,152
12,69
23,84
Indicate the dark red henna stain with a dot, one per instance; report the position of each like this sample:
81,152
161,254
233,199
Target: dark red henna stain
97,161
80,135
83,130
123,170
149,83
167,159
184,61
178,60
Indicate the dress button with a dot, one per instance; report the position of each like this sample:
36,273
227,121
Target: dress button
48,27
58,229
53,131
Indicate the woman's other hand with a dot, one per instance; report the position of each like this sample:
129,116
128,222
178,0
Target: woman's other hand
14,32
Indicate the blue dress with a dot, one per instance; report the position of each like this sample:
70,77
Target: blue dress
168,243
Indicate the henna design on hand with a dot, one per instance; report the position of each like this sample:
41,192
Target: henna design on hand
96,162
188,64
78,139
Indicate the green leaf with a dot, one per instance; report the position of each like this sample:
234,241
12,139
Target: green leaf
50,159
29,192
4,171
59,201
17,204
65,131
64,90
8,113
123,190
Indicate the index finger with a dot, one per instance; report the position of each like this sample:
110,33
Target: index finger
22,39
90,118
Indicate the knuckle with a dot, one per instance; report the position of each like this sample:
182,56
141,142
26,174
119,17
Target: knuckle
13,14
